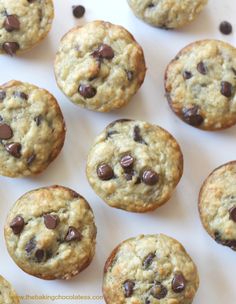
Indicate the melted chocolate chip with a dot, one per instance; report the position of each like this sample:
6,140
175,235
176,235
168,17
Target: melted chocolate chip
128,288
148,260
14,149
232,214
30,246
11,23
31,159
78,11
51,221
226,89
87,91
137,136
228,243
178,283
73,234
5,131
21,95
118,121
10,47
147,301
17,224
39,254
187,75
2,95
150,177
151,5
105,172
38,119
127,161
192,116
130,75
225,27
202,68
104,51
158,291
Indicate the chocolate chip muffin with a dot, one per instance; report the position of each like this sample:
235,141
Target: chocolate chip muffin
134,165
50,233
23,24
200,85
32,129
99,66
150,269
168,14
7,294
217,205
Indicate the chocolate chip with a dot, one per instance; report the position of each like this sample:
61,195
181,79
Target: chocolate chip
5,131
21,95
226,89
1,118
148,260
2,95
232,214
187,75
137,136
14,149
11,23
31,1
234,71
128,288
112,124
127,161
150,177
73,234
38,119
192,116
78,11
87,91
10,47
225,27
178,282
130,75
51,221
105,172
158,291
202,68
147,301
110,133
17,224
129,175
30,246
39,254
151,5
104,51
31,159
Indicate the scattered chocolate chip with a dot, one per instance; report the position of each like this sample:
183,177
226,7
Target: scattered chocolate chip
31,159
225,27
2,95
232,214
158,291
14,149
151,5
78,11
187,75
226,89
11,23
137,136
127,161
21,95
30,246
228,243
104,51
118,121
202,68
39,254
38,119
105,172
10,47
51,221
148,260
192,116
87,91
130,75
17,224
128,288
150,177
73,234
5,131
178,282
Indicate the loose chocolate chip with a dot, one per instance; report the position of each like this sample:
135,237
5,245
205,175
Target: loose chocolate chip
150,177
127,161
148,260
39,254
31,159
137,136
158,291
14,149
232,214
21,95
130,75
11,23
128,288
178,282
192,116
30,245
226,89
104,51
17,224
105,172
51,221
87,91
2,95
187,75
225,28
5,131
202,68
38,119
78,11
73,234
10,47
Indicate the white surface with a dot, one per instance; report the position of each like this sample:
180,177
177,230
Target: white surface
202,152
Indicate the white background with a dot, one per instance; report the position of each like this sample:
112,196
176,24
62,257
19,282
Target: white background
203,151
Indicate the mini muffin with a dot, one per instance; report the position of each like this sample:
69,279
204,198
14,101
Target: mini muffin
7,293
134,165
23,24
150,269
32,129
50,233
168,14
99,66
200,85
217,205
